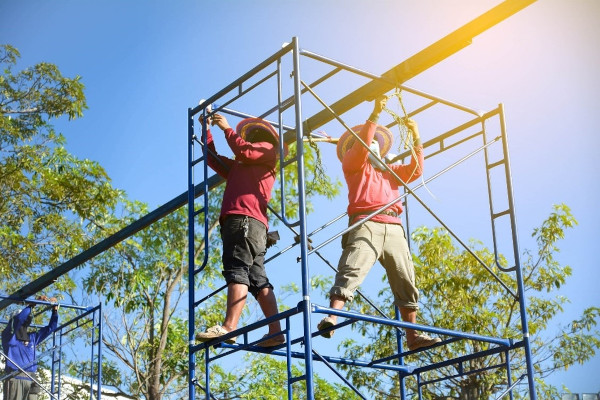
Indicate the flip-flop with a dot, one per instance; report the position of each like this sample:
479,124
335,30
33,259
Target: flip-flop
272,342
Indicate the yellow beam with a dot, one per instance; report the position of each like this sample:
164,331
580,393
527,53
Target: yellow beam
417,63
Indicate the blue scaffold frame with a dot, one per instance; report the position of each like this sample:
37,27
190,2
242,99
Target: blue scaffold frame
305,307
86,318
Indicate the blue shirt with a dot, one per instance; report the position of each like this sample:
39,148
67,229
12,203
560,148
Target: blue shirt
16,350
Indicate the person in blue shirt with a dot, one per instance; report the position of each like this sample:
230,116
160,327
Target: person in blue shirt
19,346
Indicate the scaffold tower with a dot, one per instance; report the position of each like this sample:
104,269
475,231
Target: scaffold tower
480,134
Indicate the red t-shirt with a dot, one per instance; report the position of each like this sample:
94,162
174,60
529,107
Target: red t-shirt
250,176
369,188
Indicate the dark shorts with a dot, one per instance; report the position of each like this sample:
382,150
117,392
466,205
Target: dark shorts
244,248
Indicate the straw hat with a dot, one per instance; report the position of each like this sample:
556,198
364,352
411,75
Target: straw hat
266,131
382,134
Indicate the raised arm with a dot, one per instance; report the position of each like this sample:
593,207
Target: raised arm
356,157
220,164
44,332
413,170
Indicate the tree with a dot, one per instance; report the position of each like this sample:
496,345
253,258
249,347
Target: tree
459,294
144,278
265,378
49,196
141,278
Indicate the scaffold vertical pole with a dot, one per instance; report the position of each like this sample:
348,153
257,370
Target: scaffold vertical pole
93,334
508,373
191,265
306,304
54,385
521,287
401,383
99,382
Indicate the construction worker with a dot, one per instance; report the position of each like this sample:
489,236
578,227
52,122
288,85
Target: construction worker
370,187
250,177
19,345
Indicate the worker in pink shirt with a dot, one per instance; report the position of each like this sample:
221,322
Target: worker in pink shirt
250,177
370,187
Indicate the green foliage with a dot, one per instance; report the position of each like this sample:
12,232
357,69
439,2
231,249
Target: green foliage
48,195
265,377
142,279
458,293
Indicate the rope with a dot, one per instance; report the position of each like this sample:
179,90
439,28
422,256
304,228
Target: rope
404,136
319,171
403,132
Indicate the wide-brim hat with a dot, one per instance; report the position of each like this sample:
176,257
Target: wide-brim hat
383,135
248,125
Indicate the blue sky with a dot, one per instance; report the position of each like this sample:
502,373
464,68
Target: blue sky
145,62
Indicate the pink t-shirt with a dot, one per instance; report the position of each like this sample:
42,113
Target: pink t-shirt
250,176
369,188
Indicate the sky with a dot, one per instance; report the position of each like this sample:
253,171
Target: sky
144,63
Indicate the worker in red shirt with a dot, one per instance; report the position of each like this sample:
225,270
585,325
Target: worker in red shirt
370,187
250,177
